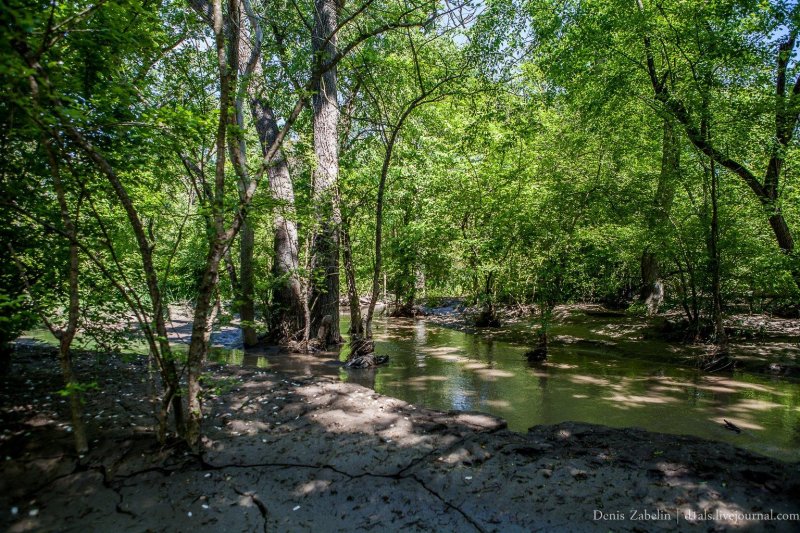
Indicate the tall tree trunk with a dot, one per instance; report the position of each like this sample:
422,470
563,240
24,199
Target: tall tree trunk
652,290
325,252
720,337
242,59
64,352
287,315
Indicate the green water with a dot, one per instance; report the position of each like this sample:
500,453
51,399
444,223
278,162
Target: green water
445,369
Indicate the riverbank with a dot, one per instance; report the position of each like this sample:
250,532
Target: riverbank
302,452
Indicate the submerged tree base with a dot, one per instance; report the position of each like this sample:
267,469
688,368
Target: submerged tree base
539,353
487,318
367,361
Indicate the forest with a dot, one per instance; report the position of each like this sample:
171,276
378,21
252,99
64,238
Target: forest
308,172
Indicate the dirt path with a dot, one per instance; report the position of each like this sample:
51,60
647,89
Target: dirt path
303,453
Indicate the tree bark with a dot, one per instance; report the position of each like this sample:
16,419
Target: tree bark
652,290
287,316
198,347
67,335
247,311
219,238
356,323
720,337
325,247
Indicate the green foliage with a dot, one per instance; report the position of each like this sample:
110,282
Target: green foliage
528,176
79,389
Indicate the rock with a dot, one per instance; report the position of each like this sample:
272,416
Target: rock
578,474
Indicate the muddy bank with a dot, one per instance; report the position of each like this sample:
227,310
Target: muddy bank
759,343
299,453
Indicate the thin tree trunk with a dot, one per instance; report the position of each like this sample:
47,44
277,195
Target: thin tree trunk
198,347
387,158
720,337
158,343
247,312
67,335
356,324
219,238
231,268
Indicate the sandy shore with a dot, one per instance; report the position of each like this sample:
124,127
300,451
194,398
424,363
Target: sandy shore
305,453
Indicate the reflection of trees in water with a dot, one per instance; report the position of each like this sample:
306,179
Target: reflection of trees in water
420,333
465,371
543,380
490,351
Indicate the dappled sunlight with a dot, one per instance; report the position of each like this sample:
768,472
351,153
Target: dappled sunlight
425,379
704,387
734,384
441,350
560,366
754,405
632,400
493,373
588,380
450,358
498,404
665,388
741,422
